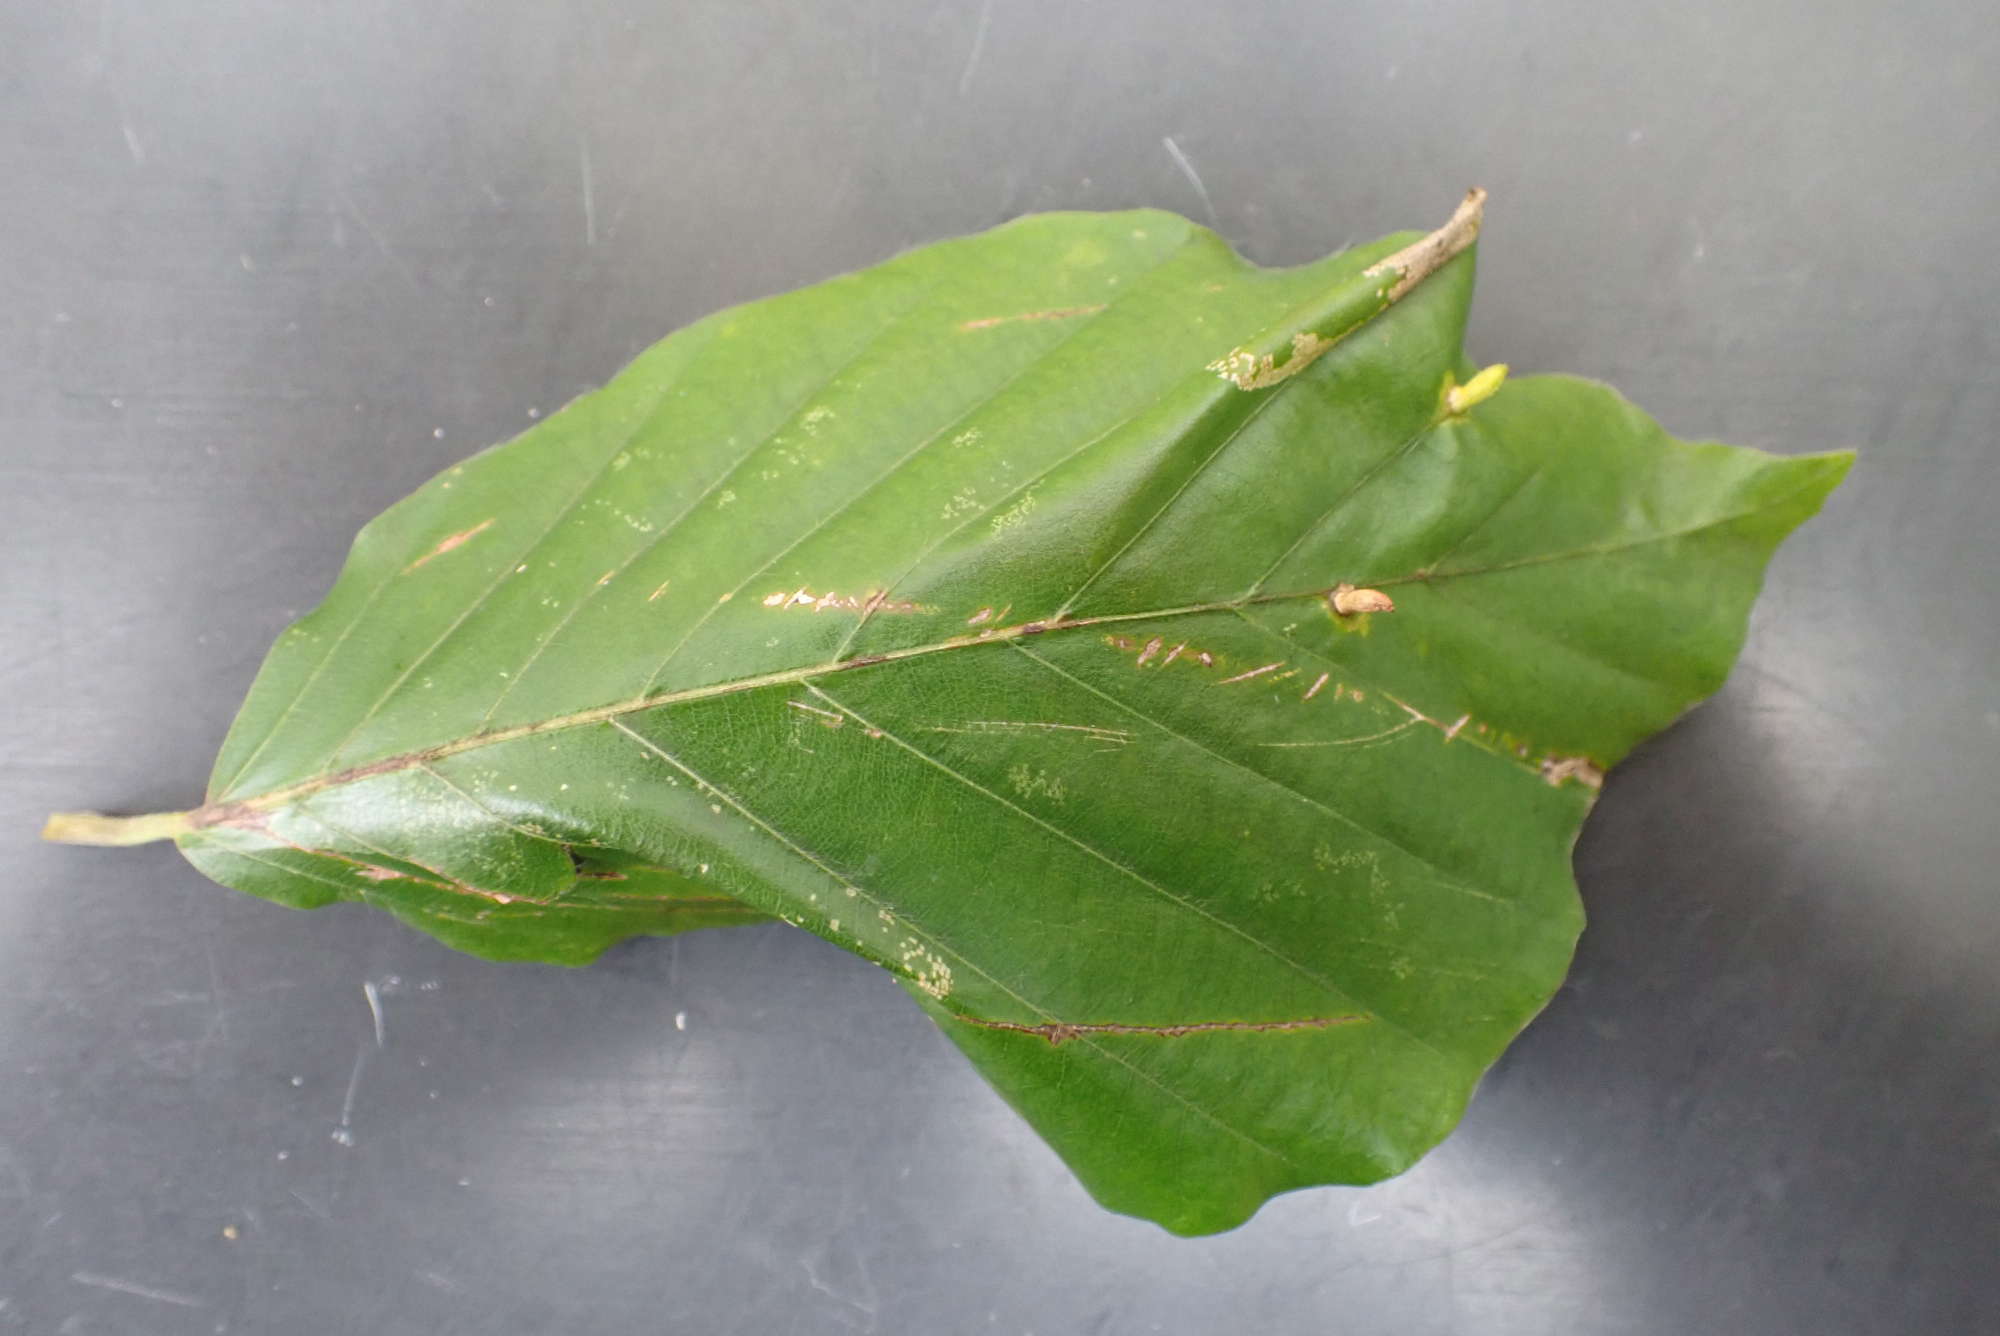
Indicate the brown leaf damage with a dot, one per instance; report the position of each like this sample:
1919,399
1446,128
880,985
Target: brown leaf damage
1060,313
876,600
449,542
1420,259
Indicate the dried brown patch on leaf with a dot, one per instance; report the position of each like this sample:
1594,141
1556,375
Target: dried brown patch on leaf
449,543
874,601
1059,313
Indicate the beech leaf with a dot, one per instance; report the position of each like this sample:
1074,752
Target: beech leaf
1187,678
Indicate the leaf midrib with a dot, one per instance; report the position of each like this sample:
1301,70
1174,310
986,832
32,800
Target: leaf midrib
226,812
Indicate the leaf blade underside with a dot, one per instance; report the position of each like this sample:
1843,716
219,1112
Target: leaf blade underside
969,612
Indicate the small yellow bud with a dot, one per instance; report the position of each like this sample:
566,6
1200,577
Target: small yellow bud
1477,390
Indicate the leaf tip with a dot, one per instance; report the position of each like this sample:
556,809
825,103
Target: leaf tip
1423,257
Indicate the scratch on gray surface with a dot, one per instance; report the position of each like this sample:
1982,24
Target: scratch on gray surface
863,1306
311,1205
374,1008
589,191
353,210
1194,177
343,1133
978,45
220,1007
23,1190
132,144
154,1292
175,997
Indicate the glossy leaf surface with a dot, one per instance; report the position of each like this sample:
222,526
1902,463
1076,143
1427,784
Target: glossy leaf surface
973,612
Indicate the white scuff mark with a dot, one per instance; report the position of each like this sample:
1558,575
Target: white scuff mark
133,1287
132,144
978,45
589,191
1194,178
680,1020
374,996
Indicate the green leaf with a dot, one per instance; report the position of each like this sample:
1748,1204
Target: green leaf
1001,614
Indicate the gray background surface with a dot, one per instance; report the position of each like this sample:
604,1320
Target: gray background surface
266,266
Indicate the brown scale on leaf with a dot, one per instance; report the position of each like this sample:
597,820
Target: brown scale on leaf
1347,601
